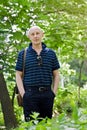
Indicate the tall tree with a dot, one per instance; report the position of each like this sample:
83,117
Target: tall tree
8,112
64,23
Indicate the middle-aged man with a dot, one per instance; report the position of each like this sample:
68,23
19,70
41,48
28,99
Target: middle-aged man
41,77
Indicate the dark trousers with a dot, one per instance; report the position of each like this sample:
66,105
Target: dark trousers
38,101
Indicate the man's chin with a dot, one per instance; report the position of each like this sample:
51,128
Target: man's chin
37,43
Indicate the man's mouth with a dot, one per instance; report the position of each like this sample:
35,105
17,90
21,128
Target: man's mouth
36,39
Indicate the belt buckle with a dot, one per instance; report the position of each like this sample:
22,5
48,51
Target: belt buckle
41,89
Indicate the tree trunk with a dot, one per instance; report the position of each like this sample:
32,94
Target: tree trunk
7,109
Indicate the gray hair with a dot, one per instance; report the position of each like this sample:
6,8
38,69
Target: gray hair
28,30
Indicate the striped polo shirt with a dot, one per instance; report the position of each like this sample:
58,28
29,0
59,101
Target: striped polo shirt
37,72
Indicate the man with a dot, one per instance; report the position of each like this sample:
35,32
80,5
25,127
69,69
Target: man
40,72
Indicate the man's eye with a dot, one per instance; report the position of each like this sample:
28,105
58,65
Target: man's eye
32,34
37,33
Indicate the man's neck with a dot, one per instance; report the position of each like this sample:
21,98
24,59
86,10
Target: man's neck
37,48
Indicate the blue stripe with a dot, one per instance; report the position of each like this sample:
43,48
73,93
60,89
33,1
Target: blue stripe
35,74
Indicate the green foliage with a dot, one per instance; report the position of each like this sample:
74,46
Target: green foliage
1,117
69,112
62,122
64,28
64,23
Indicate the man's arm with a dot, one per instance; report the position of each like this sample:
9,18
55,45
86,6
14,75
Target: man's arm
19,82
55,80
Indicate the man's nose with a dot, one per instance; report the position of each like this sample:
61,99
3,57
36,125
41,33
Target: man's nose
35,35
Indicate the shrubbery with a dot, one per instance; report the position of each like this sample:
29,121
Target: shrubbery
69,113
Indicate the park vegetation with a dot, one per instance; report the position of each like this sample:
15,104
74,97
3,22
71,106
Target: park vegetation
65,27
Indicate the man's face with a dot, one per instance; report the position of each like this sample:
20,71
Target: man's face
35,35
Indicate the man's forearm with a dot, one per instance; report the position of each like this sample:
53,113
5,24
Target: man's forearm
20,84
55,82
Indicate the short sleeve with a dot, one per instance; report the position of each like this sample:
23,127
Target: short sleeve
56,64
19,63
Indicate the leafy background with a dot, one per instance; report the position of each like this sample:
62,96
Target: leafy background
65,27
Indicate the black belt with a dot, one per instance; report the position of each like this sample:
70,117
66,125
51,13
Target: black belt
40,89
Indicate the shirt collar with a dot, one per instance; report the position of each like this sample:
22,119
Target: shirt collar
30,46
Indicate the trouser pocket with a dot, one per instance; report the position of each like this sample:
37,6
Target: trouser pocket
53,93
